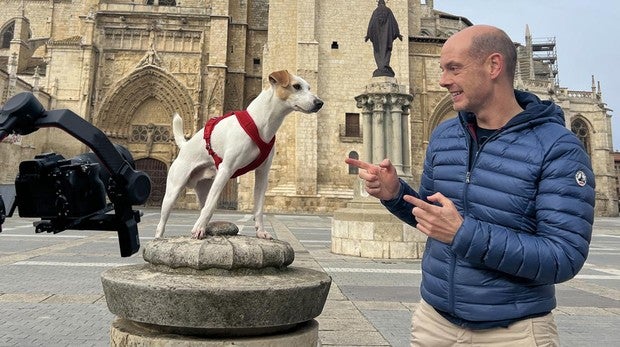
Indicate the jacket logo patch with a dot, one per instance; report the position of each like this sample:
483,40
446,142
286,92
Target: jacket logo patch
581,179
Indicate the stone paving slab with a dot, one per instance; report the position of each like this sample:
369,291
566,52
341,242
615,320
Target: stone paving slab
51,294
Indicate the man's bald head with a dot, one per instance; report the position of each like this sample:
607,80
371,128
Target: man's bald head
485,40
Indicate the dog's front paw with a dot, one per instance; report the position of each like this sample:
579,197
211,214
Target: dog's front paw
262,234
199,233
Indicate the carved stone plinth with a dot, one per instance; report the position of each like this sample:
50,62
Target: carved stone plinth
234,289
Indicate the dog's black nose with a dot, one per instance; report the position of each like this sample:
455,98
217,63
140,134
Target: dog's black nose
318,104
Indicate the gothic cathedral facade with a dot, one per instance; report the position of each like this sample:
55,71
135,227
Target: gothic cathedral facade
127,65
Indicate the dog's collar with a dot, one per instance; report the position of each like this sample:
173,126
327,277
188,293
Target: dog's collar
247,123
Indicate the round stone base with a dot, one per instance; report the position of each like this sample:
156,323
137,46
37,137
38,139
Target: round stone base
237,303
127,333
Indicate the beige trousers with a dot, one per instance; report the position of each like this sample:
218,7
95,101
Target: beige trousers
430,329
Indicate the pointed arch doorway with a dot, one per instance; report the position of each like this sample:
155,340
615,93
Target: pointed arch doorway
137,113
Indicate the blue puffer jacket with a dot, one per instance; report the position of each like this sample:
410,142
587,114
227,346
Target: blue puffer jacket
528,207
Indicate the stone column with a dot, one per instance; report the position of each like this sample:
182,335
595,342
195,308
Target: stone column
385,106
365,228
378,129
405,135
395,150
366,129
224,290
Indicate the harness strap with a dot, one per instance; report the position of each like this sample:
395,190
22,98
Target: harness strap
247,123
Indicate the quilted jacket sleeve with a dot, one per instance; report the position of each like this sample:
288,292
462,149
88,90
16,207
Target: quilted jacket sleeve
564,213
401,208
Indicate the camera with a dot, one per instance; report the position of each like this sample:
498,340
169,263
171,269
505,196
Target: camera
51,186
91,191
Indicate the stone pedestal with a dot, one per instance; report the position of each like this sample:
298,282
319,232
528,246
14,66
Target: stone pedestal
223,290
127,333
365,228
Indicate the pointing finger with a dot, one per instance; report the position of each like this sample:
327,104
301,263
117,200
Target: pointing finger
440,198
358,163
418,202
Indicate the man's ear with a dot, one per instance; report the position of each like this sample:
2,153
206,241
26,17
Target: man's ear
495,65
281,77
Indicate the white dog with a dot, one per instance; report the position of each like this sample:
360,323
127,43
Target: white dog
231,145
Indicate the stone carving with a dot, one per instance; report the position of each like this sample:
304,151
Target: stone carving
154,133
224,252
150,58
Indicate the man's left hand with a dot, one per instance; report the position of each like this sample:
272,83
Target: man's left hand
439,222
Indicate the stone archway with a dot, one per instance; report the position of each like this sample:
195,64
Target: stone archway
148,89
443,111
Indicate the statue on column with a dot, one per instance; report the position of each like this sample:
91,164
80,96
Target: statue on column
382,31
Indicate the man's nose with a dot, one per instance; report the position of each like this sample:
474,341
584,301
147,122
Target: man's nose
443,81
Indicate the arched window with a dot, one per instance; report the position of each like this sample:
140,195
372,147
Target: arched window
581,129
353,170
7,35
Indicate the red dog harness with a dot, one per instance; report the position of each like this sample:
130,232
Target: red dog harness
247,123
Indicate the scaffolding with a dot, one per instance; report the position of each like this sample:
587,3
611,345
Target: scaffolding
545,59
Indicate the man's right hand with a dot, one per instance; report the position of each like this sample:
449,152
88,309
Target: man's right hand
381,181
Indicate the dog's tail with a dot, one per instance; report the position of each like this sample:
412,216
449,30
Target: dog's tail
177,130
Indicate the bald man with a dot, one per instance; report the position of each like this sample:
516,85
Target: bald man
506,200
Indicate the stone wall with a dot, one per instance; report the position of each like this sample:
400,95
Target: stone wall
16,148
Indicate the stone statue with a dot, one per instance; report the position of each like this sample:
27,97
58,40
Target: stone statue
382,30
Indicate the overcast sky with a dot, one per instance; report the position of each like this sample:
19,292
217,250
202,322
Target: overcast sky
586,38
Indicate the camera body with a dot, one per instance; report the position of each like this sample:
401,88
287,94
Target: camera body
50,186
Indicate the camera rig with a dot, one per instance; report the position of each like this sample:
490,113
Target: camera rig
71,193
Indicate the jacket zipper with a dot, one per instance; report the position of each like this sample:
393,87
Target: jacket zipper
470,166
469,143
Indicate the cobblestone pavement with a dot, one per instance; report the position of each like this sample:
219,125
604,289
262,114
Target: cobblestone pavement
51,294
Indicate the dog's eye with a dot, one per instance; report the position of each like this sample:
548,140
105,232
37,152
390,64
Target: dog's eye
297,86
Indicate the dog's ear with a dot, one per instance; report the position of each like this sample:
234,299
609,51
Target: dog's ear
281,77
